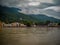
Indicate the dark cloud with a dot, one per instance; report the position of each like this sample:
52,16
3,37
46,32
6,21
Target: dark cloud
11,2
19,2
57,2
23,2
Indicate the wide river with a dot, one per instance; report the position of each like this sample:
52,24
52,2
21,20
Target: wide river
30,36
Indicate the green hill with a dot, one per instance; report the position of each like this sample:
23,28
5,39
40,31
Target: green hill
11,14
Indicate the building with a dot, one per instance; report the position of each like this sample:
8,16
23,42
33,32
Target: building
22,25
15,24
53,24
6,25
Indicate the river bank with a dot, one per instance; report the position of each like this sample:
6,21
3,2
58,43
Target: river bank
27,26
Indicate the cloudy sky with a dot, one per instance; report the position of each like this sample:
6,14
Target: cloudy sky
22,2
33,6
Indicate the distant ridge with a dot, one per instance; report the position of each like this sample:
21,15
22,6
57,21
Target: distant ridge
11,14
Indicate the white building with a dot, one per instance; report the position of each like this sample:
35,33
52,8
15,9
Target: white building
53,24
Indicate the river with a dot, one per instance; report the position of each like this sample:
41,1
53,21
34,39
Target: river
30,36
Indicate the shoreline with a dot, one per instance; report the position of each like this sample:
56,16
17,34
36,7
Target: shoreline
31,27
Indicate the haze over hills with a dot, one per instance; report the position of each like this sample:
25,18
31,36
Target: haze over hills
36,9
48,9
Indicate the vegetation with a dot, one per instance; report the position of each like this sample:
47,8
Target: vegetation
59,23
10,15
22,18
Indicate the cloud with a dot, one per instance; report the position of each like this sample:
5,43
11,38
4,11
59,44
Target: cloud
12,2
21,2
55,8
31,11
34,6
34,3
57,2
53,11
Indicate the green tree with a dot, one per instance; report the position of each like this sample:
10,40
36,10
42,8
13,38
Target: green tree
46,22
59,23
28,23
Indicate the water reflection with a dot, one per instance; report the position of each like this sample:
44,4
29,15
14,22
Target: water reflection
31,36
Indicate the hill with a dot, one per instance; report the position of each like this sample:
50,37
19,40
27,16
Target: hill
43,18
11,14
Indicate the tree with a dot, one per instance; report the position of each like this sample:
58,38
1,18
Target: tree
28,23
47,22
59,23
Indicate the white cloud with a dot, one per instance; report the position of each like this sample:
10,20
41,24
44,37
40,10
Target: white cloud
31,11
53,11
41,1
55,8
34,3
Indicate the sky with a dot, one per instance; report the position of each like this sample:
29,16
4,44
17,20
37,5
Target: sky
22,2
33,6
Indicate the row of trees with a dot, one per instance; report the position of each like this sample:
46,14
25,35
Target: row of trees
22,18
30,22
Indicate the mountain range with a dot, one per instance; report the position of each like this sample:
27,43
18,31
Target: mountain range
12,14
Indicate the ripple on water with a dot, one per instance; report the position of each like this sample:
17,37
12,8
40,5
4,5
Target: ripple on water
31,36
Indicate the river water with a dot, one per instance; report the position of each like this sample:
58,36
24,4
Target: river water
30,36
